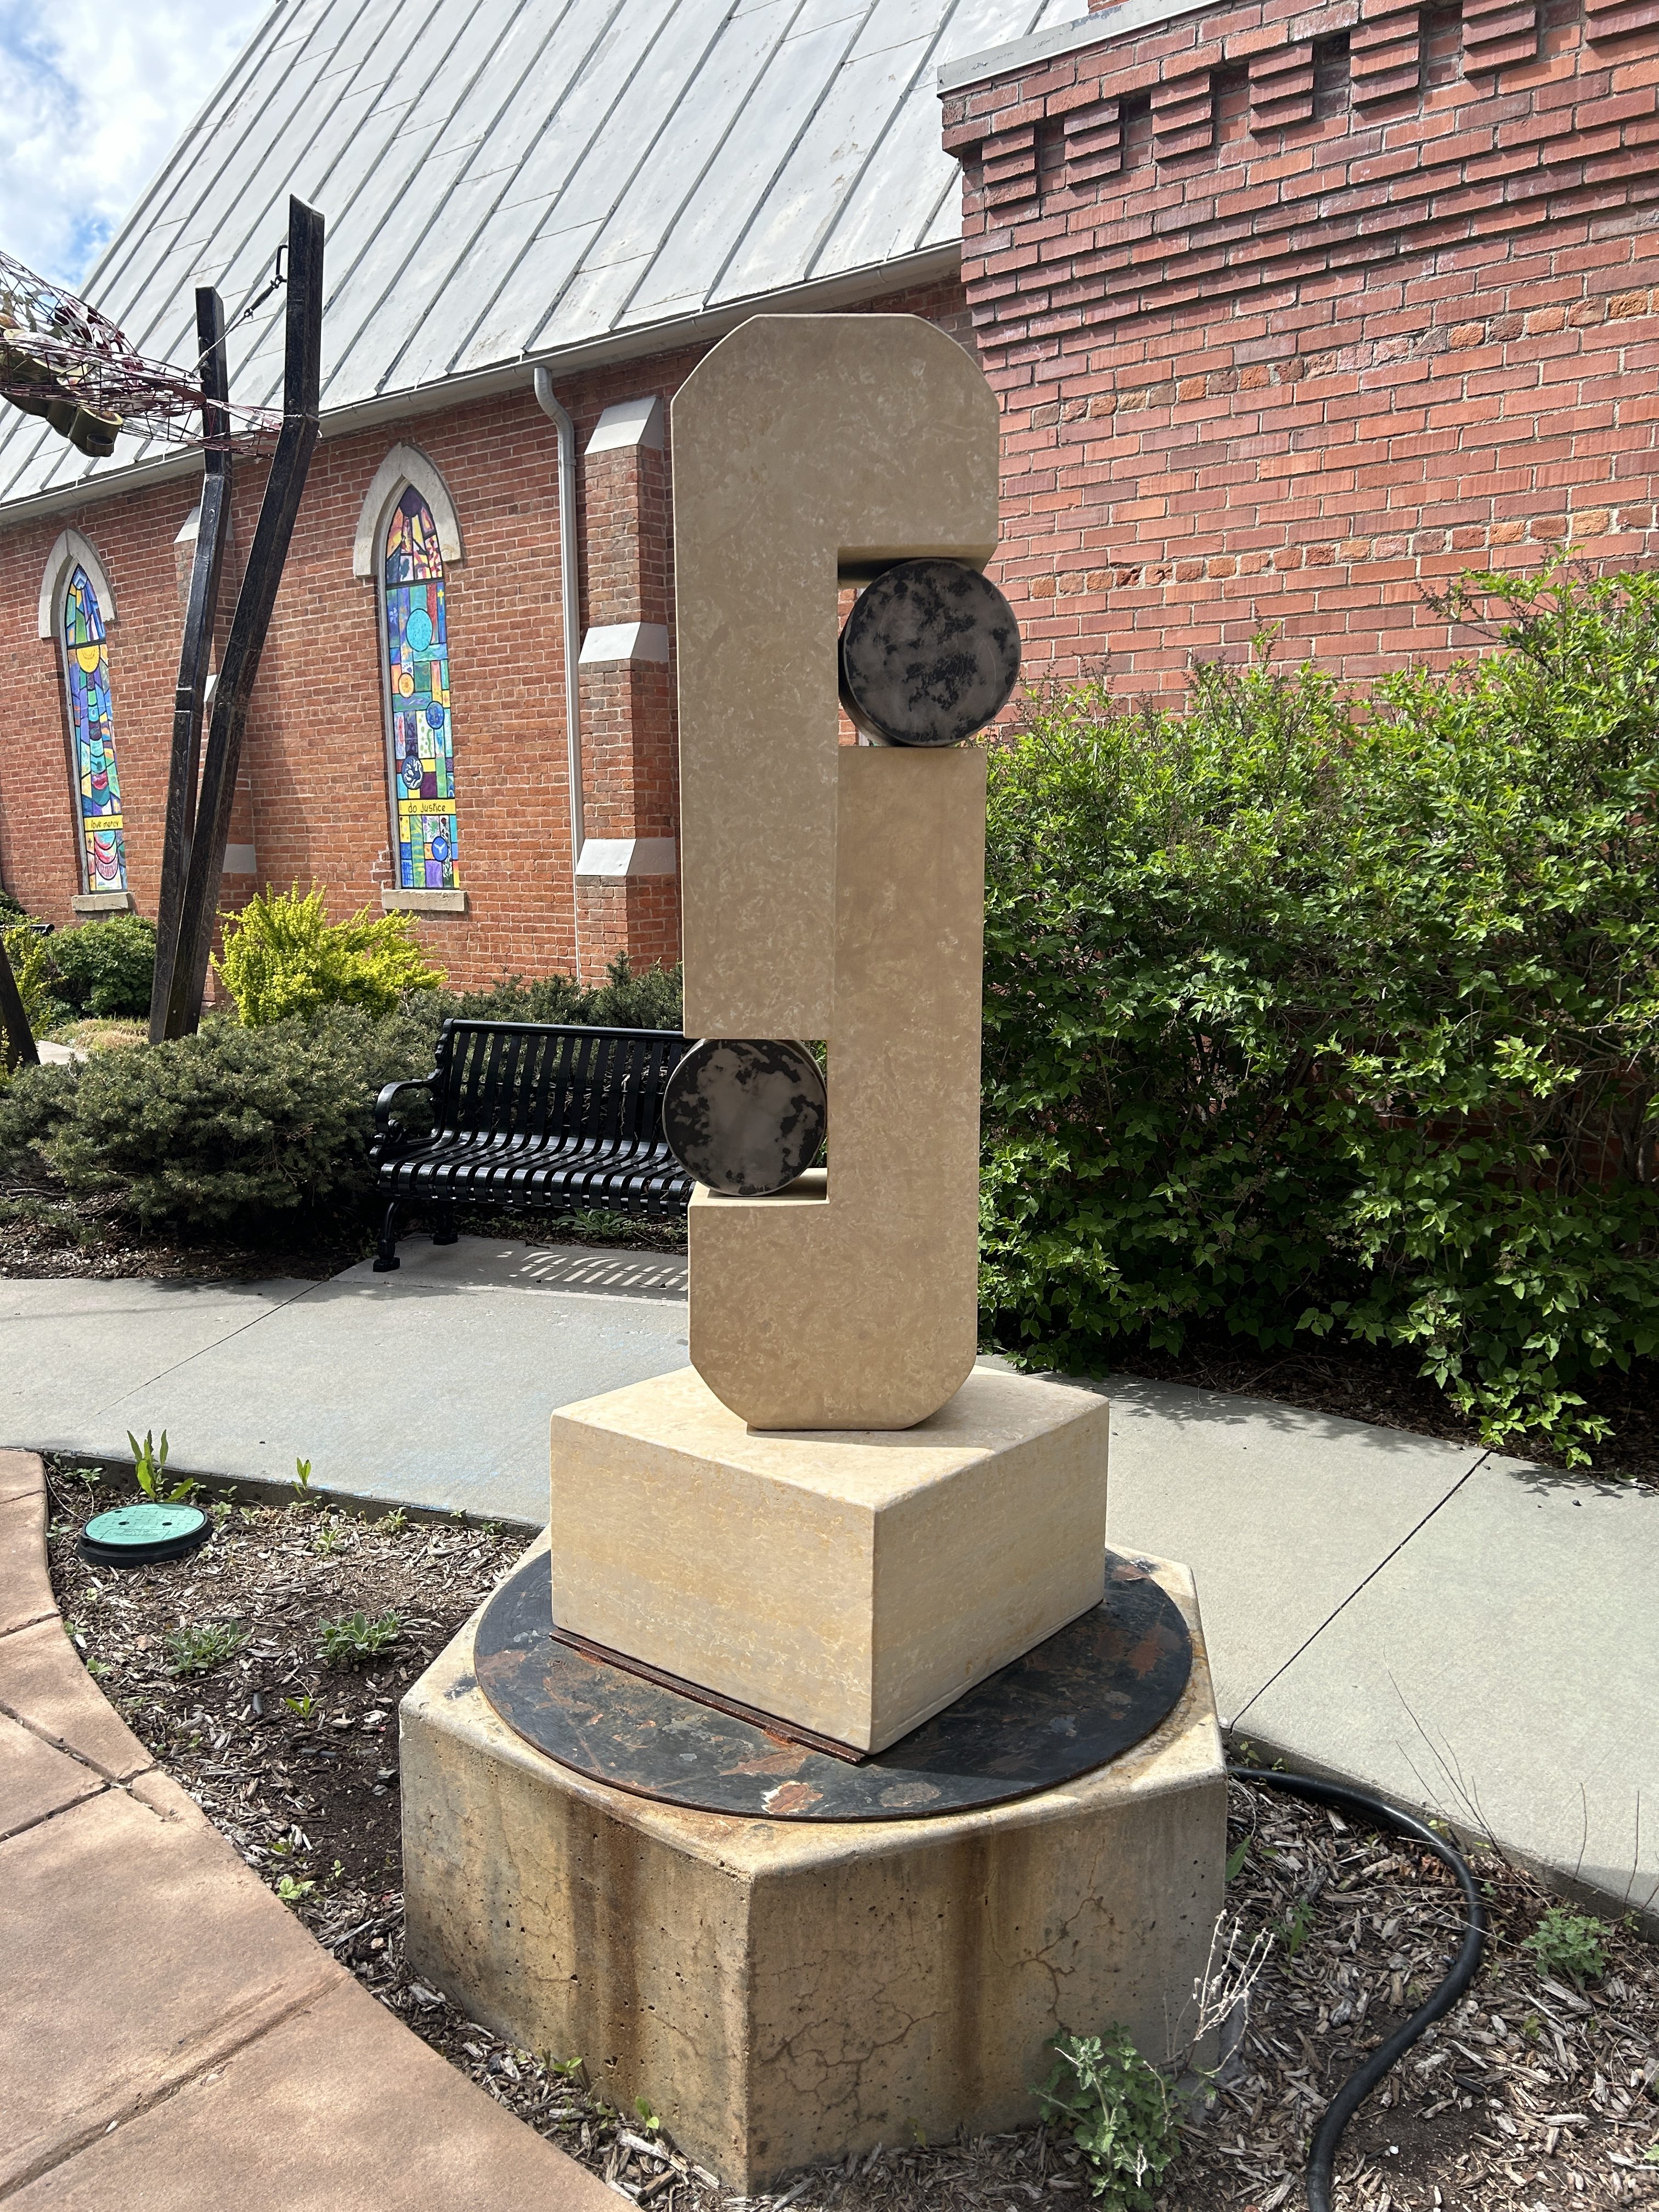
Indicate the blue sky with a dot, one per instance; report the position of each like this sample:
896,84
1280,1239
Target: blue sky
94,98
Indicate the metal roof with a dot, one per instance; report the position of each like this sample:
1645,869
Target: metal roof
516,181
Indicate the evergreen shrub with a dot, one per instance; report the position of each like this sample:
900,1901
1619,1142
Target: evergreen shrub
103,968
648,1000
231,1128
283,956
1309,1014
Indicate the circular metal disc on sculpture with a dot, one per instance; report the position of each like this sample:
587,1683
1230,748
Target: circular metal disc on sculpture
930,654
1078,1700
745,1116
140,1535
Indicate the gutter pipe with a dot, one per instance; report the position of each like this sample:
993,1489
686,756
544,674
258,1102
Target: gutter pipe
570,596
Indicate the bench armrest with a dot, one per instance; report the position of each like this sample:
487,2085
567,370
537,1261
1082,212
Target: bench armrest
385,1127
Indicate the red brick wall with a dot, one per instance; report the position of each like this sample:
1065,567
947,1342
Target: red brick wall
1295,311
315,756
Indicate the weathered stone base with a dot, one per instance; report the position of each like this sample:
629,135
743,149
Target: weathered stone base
783,1991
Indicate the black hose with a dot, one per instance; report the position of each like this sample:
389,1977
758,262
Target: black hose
1321,2159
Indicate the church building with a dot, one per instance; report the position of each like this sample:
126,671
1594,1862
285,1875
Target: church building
1294,312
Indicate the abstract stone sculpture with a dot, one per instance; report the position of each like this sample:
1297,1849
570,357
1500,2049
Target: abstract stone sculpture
833,892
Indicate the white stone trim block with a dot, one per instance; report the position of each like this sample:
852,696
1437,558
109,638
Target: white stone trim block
633,423
616,857
614,641
423,901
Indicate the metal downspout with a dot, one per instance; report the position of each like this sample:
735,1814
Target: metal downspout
570,595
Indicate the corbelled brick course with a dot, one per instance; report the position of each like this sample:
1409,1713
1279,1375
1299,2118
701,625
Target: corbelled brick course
1296,311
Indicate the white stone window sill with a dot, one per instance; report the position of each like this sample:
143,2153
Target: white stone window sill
102,902
423,901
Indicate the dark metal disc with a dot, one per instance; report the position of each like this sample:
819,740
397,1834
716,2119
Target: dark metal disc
930,654
744,1115
1078,1700
138,1535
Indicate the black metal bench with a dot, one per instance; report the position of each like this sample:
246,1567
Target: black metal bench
534,1116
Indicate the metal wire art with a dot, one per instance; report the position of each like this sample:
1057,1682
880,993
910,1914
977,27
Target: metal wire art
63,361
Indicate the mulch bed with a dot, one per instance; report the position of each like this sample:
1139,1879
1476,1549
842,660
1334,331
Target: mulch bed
1534,2095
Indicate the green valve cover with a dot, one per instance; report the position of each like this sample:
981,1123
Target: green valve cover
133,1536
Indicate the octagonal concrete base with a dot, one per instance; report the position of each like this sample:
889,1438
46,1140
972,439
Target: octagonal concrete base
786,1991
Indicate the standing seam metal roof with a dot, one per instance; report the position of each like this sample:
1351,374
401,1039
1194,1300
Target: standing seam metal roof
511,180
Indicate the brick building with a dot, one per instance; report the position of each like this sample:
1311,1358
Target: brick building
1292,311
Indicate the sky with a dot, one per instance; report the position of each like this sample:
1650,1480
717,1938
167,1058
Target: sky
94,98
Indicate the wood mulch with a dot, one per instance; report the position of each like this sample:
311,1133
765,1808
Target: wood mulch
1533,2096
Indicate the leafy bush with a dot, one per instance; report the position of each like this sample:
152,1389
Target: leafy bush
229,1127
104,966
650,1001
283,956
1119,2111
26,951
1305,1014
1566,1942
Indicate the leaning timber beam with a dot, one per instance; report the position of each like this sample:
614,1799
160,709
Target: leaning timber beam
20,1049
212,522
301,396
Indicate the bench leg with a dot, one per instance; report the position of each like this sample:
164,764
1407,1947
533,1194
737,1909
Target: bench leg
385,1254
446,1232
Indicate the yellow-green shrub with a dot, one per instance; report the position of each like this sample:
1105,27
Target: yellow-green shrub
283,956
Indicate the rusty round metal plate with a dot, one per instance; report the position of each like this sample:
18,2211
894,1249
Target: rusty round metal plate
744,1115
930,654
1078,1701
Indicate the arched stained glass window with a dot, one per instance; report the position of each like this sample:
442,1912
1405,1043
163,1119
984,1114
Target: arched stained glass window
417,674
86,660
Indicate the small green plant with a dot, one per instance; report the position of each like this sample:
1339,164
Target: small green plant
150,1461
1292,1933
305,1704
291,1889
1120,2113
1650,2155
194,1650
396,1521
646,2117
301,1485
1237,1857
347,1643
1566,1942
283,956
327,1537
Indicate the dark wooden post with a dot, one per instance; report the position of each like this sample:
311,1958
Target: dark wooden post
302,396
212,521
20,1038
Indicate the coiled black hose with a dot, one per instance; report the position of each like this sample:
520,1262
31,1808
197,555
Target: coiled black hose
1321,2159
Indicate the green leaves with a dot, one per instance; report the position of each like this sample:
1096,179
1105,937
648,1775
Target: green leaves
1307,1013
1118,2110
283,957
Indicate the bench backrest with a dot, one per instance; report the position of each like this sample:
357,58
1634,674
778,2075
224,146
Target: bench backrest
540,1079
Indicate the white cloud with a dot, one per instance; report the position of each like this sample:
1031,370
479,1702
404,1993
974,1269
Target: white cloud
95,99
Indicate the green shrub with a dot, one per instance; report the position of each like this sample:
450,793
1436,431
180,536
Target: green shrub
1567,1943
1118,2110
283,956
26,951
650,1001
1308,1015
104,966
231,1126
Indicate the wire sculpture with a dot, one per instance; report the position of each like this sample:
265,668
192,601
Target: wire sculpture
63,360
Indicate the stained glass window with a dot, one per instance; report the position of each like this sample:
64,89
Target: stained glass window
417,670
86,658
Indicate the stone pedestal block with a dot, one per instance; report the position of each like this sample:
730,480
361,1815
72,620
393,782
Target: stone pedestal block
782,1991
854,1583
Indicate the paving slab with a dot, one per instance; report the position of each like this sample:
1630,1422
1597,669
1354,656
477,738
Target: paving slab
430,1386
37,1781
338,2109
24,1591
138,1948
1280,1514
45,1688
75,1347
21,1475
1503,1669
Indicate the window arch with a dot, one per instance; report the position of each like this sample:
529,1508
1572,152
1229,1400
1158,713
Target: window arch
414,635
92,734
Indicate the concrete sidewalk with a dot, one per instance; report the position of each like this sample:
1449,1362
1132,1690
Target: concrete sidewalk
1457,1631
